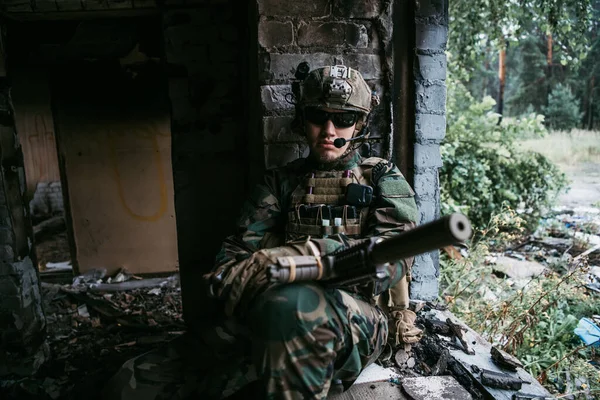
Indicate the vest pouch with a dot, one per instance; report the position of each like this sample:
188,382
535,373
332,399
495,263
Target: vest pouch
359,195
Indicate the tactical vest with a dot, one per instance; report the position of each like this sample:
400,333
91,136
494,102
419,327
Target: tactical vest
319,207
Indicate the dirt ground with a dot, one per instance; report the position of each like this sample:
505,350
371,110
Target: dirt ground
584,188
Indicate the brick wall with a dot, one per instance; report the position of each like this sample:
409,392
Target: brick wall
321,32
430,127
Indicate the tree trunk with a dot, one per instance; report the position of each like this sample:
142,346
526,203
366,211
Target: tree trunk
502,77
590,103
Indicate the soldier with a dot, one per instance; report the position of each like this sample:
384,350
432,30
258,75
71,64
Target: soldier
298,340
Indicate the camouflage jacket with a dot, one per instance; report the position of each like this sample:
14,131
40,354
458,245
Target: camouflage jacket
264,215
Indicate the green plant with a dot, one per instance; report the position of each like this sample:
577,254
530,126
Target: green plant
533,321
483,169
562,112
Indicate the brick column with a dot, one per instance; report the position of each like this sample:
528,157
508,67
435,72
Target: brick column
22,323
430,126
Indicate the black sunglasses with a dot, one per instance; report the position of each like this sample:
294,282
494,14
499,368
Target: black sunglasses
344,119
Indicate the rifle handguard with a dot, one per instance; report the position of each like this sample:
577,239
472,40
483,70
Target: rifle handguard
365,261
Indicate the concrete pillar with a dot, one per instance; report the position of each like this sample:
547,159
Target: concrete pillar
431,35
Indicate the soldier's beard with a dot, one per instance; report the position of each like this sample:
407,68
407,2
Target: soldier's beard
329,162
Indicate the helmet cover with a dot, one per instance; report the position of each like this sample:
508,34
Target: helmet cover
336,87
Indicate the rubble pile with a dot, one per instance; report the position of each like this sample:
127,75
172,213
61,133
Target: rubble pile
92,332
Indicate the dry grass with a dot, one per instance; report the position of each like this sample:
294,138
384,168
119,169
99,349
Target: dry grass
567,148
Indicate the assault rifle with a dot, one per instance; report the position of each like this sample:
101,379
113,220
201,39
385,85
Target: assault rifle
366,260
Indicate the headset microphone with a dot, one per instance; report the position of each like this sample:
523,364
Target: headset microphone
341,142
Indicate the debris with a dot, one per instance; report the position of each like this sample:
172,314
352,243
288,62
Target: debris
556,242
500,380
416,305
518,269
83,311
401,358
452,252
437,326
588,331
440,366
94,275
505,360
434,387
132,284
58,266
456,330
91,334
122,276
376,373
585,253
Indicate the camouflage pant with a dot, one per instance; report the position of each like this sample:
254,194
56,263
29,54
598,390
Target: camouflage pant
296,339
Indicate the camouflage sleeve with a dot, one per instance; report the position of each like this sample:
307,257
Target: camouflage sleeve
259,223
394,211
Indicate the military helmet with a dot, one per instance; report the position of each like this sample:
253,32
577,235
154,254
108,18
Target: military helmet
337,87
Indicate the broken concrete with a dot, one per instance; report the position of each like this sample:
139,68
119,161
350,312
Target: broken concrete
435,387
518,269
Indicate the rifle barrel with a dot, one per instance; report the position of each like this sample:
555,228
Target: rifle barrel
450,229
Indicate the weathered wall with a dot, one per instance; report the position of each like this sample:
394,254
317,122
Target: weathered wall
22,323
430,128
35,124
115,146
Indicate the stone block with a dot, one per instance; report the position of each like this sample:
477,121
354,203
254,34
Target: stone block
431,8
430,127
357,35
430,98
426,182
281,154
430,67
435,387
277,129
304,9
431,36
274,97
364,9
275,33
427,156
369,65
283,66
333,34
424,282
428,207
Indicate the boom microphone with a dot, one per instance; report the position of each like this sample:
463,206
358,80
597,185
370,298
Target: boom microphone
340,142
